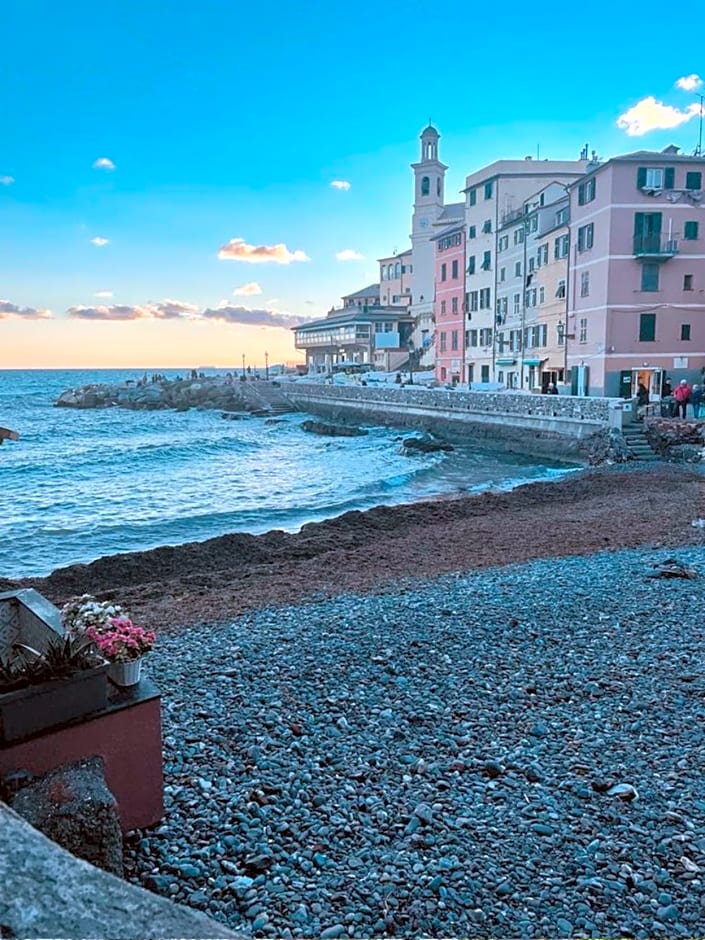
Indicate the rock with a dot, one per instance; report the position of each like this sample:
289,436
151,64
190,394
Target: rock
332,430
423,445
604,447
73,806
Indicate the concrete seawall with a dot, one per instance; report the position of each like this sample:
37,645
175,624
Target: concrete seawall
538,425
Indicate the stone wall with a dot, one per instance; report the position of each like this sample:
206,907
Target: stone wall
542,425
46,892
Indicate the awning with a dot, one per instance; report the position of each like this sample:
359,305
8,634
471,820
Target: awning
533,362
505,362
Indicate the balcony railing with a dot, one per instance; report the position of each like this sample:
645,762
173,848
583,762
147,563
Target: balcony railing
655,247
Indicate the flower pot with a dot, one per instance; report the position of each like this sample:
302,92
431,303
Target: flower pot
125,674
38,708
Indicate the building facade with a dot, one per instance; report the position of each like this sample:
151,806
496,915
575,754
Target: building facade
449,304
396,279
637,293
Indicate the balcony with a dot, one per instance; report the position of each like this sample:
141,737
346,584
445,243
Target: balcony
654,248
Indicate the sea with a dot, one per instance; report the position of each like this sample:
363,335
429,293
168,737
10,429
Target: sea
81,484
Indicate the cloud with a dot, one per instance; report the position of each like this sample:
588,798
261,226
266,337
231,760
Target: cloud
248,290
237,249
342,185
102,163
100,242
248,316
7,180
348,255
10,311
105,294
652,115
689,82
166,310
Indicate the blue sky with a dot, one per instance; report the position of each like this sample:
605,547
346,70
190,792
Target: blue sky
221,120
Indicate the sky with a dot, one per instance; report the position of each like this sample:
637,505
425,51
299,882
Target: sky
181,183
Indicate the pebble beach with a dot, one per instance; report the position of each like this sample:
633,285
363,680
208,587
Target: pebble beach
510,752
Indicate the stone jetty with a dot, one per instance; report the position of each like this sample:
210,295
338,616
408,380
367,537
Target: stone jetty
222,393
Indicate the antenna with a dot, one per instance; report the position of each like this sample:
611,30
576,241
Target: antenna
699,148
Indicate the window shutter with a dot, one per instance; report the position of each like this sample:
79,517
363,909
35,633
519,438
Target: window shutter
641,177
581,194
693,180
581,239
691,230
638,223
669,178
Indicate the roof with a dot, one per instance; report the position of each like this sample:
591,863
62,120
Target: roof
394,257
669,155
356,315
371,291
451,212
456,227
430,131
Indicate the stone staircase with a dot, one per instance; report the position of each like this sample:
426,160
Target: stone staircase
266,400
638,444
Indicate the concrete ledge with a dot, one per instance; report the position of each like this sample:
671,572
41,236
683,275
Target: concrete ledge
46,892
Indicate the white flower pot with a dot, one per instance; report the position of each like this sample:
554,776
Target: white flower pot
125,674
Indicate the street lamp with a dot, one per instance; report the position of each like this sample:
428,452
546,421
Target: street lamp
243,365
410,346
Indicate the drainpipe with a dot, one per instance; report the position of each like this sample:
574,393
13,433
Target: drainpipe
523,307
567,308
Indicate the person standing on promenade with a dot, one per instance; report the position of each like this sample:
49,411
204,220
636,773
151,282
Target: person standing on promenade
682,397
696,399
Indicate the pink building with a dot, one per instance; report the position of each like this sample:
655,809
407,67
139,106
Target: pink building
636,285
448,307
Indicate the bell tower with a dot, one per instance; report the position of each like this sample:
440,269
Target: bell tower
429,191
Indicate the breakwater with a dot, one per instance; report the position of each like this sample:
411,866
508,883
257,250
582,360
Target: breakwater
562,426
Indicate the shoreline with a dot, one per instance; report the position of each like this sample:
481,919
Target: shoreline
376,550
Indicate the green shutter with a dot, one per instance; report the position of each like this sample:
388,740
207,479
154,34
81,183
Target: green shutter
641,177
647,327
581,194
691,230
638,224
693,180
669,178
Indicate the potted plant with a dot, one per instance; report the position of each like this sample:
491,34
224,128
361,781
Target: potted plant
110,628
40,690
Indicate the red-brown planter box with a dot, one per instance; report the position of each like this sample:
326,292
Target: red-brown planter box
48,704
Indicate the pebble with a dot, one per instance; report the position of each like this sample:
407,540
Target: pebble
371,768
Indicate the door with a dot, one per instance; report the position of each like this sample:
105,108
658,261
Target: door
647,231
625,383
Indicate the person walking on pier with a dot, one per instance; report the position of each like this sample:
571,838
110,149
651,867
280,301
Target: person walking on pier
682,397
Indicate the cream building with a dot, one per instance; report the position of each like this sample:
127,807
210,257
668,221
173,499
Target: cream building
396,279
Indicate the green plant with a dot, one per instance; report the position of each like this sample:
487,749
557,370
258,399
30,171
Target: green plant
63,657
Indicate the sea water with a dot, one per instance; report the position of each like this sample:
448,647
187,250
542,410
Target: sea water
80,484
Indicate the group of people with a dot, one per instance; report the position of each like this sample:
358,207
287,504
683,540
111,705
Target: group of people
682,396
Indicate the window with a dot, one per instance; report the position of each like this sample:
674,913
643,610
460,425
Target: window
647,327
487,226
454,340
687,282
488,190
485,298
534,224
649,277
694,180
486,337
542,256
486,260
690,231
472,197
503,243
586,191
484,373
532,264
454,270
472,232
516,307
582,327
443,307
685,332
502,274
471,264
517,269
542,294
454,305
443,342
586,237
653,177
560,334
560,290
474,300
585,284
515,340
518,236
561,246
472,337
562,216
425,186
444,271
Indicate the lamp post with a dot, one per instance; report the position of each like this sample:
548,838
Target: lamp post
266,366
243,365
410,346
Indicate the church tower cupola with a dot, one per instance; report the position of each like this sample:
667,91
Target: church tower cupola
429,144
